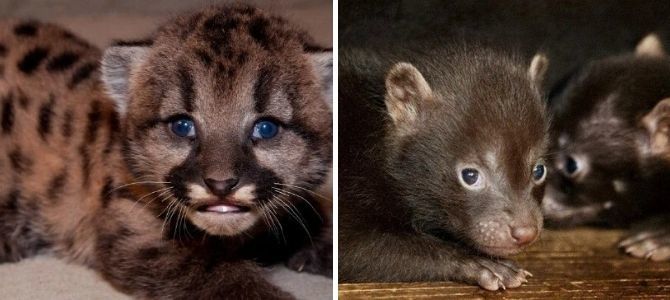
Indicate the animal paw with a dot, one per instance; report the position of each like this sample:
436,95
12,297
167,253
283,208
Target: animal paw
314,259
648,242
495,274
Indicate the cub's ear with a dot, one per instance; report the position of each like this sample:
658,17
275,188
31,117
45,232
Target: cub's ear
657,124
651,46
323,64
118,63
538,69
406,92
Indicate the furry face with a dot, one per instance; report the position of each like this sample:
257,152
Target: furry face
605,143
224,128
471,165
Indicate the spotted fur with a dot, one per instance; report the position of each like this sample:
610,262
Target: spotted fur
90,171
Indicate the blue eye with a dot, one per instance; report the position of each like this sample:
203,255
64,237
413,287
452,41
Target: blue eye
183,127
265,130
470,176
538,172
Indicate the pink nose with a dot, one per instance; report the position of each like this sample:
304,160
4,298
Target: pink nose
523,235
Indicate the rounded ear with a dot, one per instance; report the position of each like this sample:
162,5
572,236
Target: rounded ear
118,63
657,124
323,65
538,68
651,46
406,91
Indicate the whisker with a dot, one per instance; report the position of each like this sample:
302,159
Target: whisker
306,190
149,194
295,215
287,193
136,183
165,219
273,210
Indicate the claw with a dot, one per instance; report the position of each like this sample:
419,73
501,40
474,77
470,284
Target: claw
529,274
649,254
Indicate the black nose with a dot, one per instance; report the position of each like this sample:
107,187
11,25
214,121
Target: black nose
221,188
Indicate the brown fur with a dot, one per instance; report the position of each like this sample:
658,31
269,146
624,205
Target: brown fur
409,120
122,194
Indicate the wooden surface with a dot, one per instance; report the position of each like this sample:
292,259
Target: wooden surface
579,263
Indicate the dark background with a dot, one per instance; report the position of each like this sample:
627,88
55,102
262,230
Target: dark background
569,32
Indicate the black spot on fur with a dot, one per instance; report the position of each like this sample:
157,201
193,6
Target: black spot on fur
7,114
258,29
242,57
3,50
67,124
217,30
107,192
204,57
94,119
23,99
114,128
26,29
45,116
130,43
12,201
85,165
62,62
262,89
148,124
150,253
19,162
82,73
57,185
186,88
32,60
310,47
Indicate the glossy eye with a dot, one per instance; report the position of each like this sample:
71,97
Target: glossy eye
571,165
265,129
183,127
539,172
470,176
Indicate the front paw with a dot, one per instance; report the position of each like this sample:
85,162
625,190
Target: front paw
495,274
316,259
650,241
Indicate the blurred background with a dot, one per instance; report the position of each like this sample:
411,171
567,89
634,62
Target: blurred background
570,32
100,22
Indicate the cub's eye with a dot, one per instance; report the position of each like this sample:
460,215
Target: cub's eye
571,165
265,129
470,176
539,173
471,179
183,127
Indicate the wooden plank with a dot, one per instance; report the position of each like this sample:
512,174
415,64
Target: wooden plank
580,263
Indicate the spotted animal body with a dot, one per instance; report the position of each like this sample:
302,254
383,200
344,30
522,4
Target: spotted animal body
94,168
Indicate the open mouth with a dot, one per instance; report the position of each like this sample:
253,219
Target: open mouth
223,208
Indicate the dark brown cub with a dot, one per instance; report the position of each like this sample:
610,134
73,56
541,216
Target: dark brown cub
441,165
611,161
